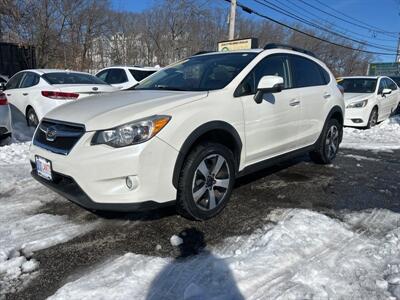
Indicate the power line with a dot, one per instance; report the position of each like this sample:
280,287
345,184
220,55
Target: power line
377,29
251,11
293,16
309,13
388,33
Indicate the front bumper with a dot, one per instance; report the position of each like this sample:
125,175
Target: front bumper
69,189
95,176
357,117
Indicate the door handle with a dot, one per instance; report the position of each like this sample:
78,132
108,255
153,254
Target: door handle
25,94
327,95
294,102
8,94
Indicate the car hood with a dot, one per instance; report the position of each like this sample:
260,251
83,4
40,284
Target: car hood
113,109
354,97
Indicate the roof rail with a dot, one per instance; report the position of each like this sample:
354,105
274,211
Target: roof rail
202,52
283,46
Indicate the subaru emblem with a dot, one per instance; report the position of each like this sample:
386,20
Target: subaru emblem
95,88
51,134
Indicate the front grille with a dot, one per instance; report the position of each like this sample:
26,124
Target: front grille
58,137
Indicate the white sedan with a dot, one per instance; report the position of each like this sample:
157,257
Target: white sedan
35,92
368,99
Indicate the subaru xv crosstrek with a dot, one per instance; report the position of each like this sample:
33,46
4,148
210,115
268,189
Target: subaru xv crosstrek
184,134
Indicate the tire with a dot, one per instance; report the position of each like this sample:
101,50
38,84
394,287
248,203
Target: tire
328,145
31,118
373,118
206,181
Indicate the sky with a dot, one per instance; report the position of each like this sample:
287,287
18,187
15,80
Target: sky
384,14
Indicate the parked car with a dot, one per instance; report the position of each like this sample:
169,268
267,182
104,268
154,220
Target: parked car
125,77
5,118
369,99
183,135
35,92
3,81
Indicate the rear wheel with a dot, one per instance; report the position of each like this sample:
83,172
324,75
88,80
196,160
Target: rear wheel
328,146
206,181
373,118
32,118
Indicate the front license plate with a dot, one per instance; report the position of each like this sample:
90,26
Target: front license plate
43,168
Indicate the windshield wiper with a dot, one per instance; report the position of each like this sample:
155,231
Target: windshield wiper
170,88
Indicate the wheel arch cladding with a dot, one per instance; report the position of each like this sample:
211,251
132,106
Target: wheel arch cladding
215,131
337,114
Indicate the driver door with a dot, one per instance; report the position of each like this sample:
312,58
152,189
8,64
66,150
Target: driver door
271,127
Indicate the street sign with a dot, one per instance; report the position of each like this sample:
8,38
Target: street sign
387,69
242,44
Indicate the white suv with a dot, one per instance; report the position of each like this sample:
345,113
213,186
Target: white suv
125,77
184,134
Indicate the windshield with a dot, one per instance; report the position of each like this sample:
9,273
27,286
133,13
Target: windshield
198,73
358,85
71,78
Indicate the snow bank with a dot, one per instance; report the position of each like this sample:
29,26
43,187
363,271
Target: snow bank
383,137
16,153
300,255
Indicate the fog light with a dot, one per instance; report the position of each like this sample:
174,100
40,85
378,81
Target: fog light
131,182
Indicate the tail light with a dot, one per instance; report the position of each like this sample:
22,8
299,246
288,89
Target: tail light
3,99
60,95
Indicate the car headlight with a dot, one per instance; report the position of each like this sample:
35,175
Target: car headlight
358,104
132,133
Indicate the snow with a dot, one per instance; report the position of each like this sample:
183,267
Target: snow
175,241
300,254
383,137
23,230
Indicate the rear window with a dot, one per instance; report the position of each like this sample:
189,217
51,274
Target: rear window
139,74
71,78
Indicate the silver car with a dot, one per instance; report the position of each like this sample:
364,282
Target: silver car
5,118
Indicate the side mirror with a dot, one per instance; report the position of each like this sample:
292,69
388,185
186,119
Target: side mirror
268,84
386,92
2,86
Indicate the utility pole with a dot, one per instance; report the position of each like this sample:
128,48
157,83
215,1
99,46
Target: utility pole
232,17
398,50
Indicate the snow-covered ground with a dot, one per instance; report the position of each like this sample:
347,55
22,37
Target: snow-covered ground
383,137
300,254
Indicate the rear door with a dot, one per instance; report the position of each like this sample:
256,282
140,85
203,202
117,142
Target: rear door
272,126
12,91
27,92
311,83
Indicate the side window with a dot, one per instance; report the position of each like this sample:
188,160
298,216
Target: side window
271,65
305,72
382,86
102,75
13,83
116,76
325,75
139,74
390,84
30,79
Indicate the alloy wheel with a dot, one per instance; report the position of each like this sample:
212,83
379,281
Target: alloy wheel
211,182
374,118
332,142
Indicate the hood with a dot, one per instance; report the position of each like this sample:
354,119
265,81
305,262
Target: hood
113,109
354,97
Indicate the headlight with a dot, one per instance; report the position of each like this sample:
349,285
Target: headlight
132,133
358,104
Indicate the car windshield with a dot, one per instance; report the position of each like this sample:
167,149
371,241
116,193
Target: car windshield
71,78
358,85
198,73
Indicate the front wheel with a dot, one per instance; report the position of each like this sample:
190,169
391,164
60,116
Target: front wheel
373,118
32,118
328,146
206,181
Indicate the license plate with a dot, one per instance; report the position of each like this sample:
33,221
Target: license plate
43,168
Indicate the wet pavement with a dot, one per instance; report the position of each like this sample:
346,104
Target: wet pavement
357,180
